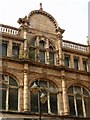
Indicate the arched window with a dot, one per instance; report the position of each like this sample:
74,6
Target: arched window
79,101
50,106
51,55
8,93
32,49
42,51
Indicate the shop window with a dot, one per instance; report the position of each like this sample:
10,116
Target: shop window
79,101
50,106
9,96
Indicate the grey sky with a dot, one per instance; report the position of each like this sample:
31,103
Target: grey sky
71,15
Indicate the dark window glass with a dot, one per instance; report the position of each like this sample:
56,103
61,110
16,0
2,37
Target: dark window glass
85,65
42,44
71,105
51,98
51,58
15,51
34,102
67,59
13,99
51,55
79,105
76,63
53,103
9,96
12,82
85,92
44,107
77,89
4,49
42,56
70,89
32,53
87,106
3,99
32,43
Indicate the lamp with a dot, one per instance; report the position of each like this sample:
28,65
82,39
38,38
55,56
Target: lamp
42,97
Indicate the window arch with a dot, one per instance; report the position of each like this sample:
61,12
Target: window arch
79,101
41,50
50,106
8,93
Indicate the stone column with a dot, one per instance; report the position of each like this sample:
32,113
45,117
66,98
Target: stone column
64,94
47,52
26,88
71,61
9,49
81,63
21,51
20,95
60,103
25,49
61,61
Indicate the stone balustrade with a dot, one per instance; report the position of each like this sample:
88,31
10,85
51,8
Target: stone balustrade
8,29
74,46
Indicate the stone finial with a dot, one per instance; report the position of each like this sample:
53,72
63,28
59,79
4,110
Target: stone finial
23,21
41,6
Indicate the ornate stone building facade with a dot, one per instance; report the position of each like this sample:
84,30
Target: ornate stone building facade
35,53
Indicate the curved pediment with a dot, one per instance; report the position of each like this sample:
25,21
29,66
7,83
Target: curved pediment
42,21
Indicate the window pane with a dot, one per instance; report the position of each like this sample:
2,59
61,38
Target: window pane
70,89
4,49
42,56
15,51
87,106
79,105
85,65
51,58
44,107
66,59
12,82
76,63
85,92
43,83
34,102
32,42
32,53
77,89
41,44
13,99
71,105
3,99
53,103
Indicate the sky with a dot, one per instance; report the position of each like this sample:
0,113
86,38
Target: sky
71,15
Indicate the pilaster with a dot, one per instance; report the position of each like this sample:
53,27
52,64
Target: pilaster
20,95
9,50
47,51
64,94
26,88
